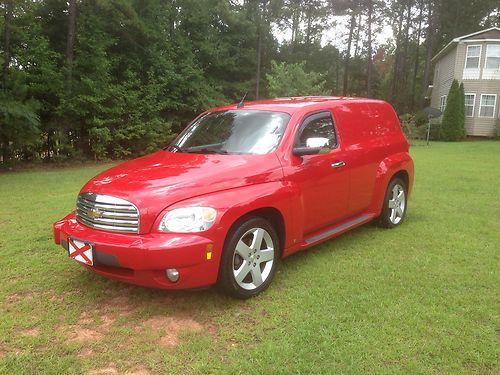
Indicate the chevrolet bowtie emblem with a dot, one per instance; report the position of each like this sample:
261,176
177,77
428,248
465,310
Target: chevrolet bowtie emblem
94,213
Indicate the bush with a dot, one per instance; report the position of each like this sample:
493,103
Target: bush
292,80
412,126
453,123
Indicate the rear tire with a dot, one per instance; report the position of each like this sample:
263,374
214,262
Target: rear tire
249,258
395,204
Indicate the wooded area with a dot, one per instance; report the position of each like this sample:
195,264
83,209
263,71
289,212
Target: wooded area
119,78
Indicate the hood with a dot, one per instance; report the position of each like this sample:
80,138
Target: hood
158,180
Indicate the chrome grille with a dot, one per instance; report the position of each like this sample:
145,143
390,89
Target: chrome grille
107,213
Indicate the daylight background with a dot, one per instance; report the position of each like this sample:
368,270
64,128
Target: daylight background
113,79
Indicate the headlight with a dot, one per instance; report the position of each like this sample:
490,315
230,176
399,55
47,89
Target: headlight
188,219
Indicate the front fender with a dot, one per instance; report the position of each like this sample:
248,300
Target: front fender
386,170
232,204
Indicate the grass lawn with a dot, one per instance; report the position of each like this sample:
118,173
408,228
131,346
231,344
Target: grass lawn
422,298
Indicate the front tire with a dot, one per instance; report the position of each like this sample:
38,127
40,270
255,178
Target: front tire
395,204
249,258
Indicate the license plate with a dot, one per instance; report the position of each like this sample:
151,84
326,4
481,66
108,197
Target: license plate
81,251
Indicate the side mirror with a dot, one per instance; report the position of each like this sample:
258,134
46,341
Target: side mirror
302,151
317,142
314,145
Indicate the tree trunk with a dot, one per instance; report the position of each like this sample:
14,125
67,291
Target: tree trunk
356,43
70,43
404,60
429,45
295,26
417,58
397,57
6,42
352,25
259,57
369,59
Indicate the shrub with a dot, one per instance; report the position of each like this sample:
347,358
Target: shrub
292,80
453,123
412,126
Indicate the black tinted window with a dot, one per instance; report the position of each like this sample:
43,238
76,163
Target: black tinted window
317,129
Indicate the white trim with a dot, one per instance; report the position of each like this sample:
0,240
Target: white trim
467,56
479,40
477,33
494,105
442,103
456,40
473,104
486,56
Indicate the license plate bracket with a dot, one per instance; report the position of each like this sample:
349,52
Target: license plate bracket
81,251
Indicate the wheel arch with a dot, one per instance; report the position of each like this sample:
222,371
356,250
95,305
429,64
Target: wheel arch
403,175
398,165
271,214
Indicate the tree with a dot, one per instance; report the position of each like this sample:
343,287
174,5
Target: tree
291,80
453,124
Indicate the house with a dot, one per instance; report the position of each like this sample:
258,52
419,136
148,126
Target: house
473,59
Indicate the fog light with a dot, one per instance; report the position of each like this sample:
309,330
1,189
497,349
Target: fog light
172,274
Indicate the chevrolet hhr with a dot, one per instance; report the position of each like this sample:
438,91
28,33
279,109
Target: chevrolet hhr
240,188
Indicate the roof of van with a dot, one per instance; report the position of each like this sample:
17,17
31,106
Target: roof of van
293,104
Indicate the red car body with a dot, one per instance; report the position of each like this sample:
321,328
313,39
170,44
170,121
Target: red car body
307,200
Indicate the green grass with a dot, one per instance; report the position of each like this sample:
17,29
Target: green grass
422,298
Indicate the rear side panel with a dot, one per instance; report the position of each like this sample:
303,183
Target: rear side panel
372,136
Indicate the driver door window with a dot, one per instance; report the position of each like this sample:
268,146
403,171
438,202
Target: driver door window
317,130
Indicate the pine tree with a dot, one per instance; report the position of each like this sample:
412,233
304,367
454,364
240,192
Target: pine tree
453,124
461,126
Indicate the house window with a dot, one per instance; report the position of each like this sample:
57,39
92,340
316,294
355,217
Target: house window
473,57
492,56
442,103
488,104
470,99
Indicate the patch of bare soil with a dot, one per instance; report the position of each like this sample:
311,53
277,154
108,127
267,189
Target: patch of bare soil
30,332
16,297
171,326
84,329
110,369
139,371
85,352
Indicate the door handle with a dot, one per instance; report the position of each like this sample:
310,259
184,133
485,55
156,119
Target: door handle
338,164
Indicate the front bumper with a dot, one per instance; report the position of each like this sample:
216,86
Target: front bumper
143,259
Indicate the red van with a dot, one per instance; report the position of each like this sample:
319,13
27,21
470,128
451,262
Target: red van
241,187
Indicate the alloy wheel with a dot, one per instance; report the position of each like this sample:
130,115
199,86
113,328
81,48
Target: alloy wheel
397,204
253,258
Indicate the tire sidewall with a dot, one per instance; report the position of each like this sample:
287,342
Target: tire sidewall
226,279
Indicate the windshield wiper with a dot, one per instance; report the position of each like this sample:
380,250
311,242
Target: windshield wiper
206,150
174,147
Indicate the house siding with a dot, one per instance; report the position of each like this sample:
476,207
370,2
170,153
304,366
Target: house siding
444,73
451,66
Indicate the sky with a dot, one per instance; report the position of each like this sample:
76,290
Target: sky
337,35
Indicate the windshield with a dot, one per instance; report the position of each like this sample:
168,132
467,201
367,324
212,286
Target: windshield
233,132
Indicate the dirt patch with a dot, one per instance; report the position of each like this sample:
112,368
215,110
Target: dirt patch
30,332
171,326
84,331
110,369
86,352
139,371
17,297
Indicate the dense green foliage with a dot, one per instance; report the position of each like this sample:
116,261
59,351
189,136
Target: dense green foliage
453,123
418,299
291,80
118,78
